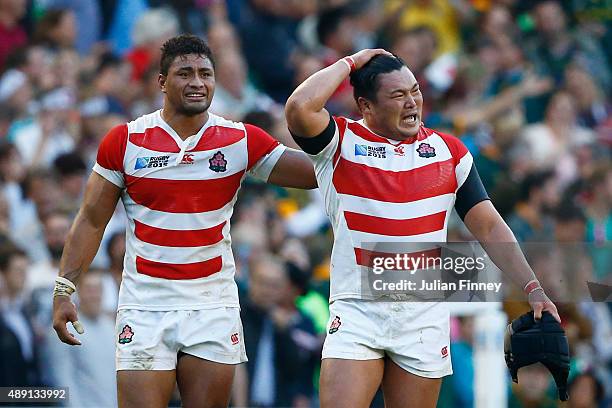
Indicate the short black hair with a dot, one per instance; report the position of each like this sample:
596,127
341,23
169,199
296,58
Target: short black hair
329,21
534,181
568,212
68,164
108,60
365,80
298,277
8,251
184,44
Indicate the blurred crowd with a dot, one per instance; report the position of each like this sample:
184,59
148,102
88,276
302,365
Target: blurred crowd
525,85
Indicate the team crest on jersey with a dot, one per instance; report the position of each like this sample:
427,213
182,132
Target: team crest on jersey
335,325
126,335
218,162
379,152
426,150
187,159
151,162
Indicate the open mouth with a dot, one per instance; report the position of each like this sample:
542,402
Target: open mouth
195,96
410,120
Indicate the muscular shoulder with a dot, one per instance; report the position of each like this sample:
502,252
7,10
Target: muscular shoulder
455,145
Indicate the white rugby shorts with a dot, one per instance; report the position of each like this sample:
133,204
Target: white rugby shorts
151,340
414,335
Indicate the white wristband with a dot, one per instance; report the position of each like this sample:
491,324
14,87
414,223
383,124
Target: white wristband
63,287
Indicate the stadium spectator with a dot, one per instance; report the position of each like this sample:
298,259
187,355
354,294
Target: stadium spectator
37,63
115,249
151,30
235,95
19,363
599,220
280,339
592,107
41,140
110,90
38,198
539,195
88,18
267,30
149,98
56,30
89,371
12,175
417,47
336,34
442,16
16,93
586,390
551,144
71,170
508,57
462,353
56,227
12,33
497,24
554,45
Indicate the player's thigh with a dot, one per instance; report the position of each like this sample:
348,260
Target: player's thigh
402,389
349,383
203,383
145,388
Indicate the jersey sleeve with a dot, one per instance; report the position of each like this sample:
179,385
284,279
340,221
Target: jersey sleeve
264,152
470,193
470,190
323,147
109,161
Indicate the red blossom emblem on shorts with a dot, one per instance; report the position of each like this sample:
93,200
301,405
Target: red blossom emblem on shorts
335,325
444,351
126,335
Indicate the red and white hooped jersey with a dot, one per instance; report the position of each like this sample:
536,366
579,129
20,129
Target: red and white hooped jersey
378,190
179,196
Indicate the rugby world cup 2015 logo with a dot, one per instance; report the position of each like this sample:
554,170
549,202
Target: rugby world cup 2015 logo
151,162
379,152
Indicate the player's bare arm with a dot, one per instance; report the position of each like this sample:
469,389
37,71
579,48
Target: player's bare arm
294,169
98,205
489,228
305,109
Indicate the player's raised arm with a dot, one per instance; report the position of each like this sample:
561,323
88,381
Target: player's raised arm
81,247
305,108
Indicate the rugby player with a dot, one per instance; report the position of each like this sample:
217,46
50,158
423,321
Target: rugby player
388,178
177,172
